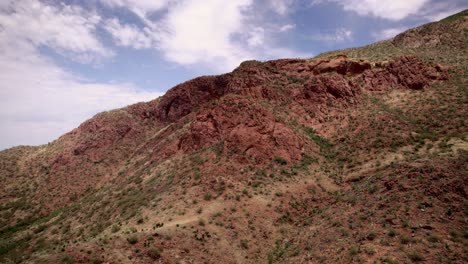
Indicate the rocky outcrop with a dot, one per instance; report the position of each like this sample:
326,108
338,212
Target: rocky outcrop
228,108
340,64
407,72
182,99
244,127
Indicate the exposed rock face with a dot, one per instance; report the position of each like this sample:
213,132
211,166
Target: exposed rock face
182,99
255,79
340,64
235,116
320,88
413,73
245,127
407,72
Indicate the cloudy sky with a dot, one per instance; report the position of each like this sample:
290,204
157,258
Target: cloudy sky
61,62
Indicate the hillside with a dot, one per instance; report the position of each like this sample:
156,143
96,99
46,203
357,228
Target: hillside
354,156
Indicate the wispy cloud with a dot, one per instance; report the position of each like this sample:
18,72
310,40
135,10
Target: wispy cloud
70,30
438,10
391,10
129,35
388,33
216,34
338,35
139,7
282,7
287,27
201,32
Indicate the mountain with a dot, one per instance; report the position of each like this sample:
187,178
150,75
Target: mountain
357,155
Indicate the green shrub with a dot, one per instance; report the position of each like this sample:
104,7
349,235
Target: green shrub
244,244
353,251
207,196
405,240
154,252
201,222
132,240
371,235
415,256
115,228
433,238
280,161
370,250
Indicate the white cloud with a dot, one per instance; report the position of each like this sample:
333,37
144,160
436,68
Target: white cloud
201,32
257,37
339,35
64,28
440,10
139,7
39,101
217,34
129,35
287,27
391,10
388,33
281,7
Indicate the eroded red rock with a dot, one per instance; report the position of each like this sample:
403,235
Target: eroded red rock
183,98
245,127
340,64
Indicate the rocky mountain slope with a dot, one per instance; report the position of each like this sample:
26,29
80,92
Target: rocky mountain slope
357,155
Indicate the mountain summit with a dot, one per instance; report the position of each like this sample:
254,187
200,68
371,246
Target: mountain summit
357,155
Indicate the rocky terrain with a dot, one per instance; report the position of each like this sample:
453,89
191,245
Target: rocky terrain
357,155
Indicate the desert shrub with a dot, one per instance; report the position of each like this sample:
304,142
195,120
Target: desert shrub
39,229
207,196
415,256
132,240
280,161
244,244
353,251
405,240
154,252
370,250
433,238
371,235
115,228
201,222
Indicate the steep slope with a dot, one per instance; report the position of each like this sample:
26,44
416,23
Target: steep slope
357,155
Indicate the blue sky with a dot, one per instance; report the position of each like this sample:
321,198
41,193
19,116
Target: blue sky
61,62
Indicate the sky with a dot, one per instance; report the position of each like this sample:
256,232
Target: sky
61,62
